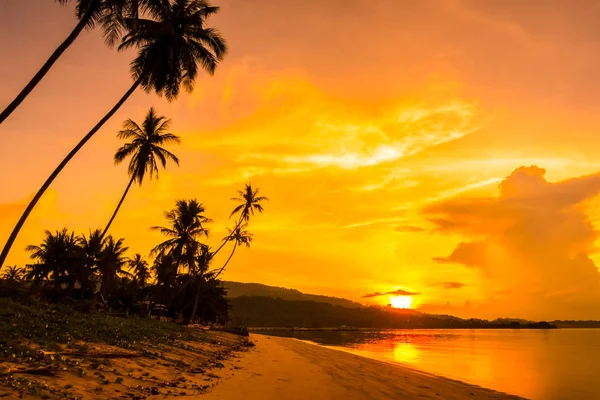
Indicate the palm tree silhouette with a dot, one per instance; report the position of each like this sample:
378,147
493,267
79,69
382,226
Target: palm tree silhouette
239,237
250,202
56,257
187,225
92,247
111,263
139,268
144,149
107,13
13,274
170,48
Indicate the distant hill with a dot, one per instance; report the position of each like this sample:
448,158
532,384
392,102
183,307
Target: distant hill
238,289
274,312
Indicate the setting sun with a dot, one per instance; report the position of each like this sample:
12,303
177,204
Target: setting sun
401,301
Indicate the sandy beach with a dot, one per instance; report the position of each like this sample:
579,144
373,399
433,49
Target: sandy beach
282,368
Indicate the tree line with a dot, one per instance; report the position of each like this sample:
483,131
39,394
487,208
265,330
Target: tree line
94,267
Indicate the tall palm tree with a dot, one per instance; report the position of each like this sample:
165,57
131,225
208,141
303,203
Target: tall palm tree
239,237
250,202
139,269
187,225
145,149
13,274
110,14
111,263
171,46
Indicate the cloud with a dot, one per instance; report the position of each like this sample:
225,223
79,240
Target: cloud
534,237
451,285
399,292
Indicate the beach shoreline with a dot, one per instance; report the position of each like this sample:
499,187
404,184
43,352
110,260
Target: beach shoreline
278,368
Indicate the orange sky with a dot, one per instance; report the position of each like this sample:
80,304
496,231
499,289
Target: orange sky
389,136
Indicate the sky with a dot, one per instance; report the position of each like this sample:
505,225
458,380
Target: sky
445,150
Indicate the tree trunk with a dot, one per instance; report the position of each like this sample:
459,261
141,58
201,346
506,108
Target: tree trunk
224,241
226,262
58,169
196,298
46,67
118,206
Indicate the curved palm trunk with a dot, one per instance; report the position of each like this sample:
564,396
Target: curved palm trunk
49,63
60,167
224,241
226,262
117,209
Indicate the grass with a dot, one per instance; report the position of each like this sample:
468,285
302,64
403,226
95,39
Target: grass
50,325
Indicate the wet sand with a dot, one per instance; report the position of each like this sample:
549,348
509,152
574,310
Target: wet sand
283,368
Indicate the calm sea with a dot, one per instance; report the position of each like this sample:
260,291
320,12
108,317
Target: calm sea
558,364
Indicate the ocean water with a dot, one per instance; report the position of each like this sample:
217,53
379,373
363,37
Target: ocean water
557,364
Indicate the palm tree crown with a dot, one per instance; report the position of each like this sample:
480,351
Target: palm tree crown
145,146
173,44
240,235
250,202
13,274
139,268
187,224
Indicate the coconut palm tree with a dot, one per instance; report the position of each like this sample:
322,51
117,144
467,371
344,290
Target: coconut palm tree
13,274
171,46
92,247
109,14
139,268
239,237
187,225
111,263
145,151
57,257
250,202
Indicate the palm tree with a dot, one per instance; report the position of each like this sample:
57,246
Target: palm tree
145,149
13,274
239,237
56,257
170,48
92,248
111,263
187,225
109,14
250,202
139,268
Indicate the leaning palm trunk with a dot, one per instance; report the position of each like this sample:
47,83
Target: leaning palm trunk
227,239
60,167
226,262
46,67
118,207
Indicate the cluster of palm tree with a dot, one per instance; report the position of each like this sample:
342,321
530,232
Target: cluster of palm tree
173,43
96,266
